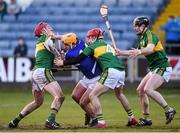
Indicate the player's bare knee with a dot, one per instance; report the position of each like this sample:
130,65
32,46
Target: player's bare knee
91,96
59,98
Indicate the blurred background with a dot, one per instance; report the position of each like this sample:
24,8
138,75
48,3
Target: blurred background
19,17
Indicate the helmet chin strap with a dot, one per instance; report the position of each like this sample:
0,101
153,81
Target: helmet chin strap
144,29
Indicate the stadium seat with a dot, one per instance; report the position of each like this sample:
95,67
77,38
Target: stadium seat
6,53
68,3
77,16
95,3
124,44
31,53
123,3
4,26
154,2
110,2
9,18
81,3
139,3
4,45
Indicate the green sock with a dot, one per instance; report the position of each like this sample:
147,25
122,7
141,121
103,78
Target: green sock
146,115
130,112
100,118
52,115
166,108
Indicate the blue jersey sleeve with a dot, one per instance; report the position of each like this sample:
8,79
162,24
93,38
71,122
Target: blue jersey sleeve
89,67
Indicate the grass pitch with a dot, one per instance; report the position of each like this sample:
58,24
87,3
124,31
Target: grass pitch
71,117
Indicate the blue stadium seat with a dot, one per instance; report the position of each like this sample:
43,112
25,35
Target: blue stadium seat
81,3
4,26
9,18
139,3
4,44
123,3
6,53
110,2
65,2
77,16
124,44
31,53
96,3
155,2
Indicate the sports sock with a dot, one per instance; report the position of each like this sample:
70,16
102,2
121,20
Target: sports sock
100,118
166,108
130,113
146,115
52,115
18,118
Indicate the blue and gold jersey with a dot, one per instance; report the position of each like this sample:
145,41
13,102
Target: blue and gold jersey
88,66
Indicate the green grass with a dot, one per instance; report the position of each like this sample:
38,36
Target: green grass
71,116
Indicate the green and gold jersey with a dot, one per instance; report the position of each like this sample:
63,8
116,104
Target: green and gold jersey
104,54
158,58
43,57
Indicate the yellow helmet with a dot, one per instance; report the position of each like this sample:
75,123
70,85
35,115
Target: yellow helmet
69,38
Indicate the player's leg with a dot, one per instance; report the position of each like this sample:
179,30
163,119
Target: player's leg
54,89
77,93
85,101
144,102
110,78
154,82
98,90
37,102
122,98
87,106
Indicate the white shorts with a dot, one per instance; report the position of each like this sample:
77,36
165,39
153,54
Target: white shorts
89,83
112,78
40,78
164,72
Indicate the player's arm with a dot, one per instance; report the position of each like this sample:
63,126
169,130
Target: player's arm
149,49
122,52
70,61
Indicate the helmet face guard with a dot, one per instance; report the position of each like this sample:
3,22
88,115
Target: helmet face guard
138,22
93,35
